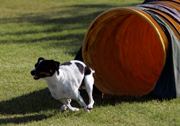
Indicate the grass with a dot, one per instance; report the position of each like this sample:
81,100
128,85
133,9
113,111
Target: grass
54,29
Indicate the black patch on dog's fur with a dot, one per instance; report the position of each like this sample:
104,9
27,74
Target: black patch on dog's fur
87,70
66,64
80,67
82,84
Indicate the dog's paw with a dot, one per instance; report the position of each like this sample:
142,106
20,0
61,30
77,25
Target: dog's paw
89,107
63,108
75,109
87,111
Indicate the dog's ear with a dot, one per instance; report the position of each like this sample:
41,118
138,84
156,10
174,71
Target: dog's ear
40,58
56,64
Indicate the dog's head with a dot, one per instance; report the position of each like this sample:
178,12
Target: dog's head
45,68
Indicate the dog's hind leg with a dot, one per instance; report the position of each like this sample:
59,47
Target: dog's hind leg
89,81
67,104
80,100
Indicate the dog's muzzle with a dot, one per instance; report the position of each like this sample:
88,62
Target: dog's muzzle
33,73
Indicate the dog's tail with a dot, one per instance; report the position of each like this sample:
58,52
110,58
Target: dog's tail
92,71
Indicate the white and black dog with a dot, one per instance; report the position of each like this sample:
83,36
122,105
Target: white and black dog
65,80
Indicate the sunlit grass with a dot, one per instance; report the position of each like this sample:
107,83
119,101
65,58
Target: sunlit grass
55,29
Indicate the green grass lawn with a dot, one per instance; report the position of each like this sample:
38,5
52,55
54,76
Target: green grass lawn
55,29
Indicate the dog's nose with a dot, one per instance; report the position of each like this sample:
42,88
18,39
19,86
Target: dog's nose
33,72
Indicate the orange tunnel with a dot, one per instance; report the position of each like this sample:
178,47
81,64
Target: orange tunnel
127,49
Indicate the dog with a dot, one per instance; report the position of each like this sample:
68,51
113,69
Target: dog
65,80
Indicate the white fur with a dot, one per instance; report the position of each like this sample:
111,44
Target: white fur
64,86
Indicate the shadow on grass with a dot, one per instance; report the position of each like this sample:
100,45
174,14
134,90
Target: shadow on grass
57,18
58,23
24,119
42,101
113,99
29,103
43,18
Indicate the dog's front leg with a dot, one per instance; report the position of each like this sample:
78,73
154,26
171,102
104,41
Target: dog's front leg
67,104
64,107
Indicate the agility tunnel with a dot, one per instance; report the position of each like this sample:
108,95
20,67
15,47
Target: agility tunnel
136,50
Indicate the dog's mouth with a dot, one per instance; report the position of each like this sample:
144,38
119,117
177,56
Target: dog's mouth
36,78
38,75
33,73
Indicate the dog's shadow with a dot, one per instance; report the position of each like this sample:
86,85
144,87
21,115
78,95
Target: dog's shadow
42,101
26,104
33,102
24,119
